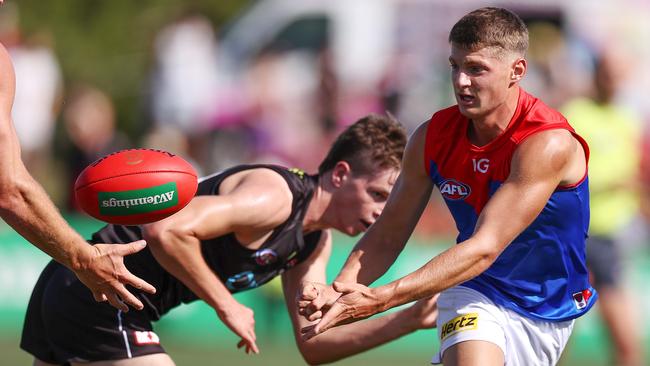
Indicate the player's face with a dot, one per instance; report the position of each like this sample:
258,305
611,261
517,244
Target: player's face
481,79
361,198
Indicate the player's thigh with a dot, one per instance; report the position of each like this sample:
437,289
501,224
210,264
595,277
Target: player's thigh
38,362
157,359
473,353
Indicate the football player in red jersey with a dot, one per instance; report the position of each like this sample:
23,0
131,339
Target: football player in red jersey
25,206
513,174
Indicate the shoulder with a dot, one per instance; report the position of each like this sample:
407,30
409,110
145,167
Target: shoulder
260,186
555,146
261,176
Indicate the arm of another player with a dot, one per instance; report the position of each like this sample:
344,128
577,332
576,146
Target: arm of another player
25,206
347,340
253,201
386,238
544,161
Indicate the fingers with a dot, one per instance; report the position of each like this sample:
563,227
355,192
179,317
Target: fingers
129,279
328,320
116,302
131,248
127,297
253,347
317,304
99,296
344,287
309,292
249,341
313,310
315,316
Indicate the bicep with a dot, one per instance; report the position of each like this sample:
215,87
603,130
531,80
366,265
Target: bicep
251,206
537,168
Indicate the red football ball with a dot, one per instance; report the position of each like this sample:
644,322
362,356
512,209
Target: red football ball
136,186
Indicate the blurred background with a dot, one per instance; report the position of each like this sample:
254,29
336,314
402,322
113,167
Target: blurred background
229,82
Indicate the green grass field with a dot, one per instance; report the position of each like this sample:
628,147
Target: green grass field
279,355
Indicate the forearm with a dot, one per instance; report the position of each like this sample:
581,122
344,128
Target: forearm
181,256
456,265
371,257
351,339
26,207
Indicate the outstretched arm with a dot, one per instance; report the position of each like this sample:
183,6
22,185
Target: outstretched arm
385,239
26,207
250,203
539,165
351,339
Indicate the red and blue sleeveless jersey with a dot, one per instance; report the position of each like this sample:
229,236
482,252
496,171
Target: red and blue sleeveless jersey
542,274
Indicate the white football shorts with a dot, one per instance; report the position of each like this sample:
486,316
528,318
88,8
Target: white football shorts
465,314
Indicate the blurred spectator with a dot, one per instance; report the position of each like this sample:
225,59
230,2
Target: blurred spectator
283,86
558,68
613,134
186,82
171,140
89,121
38,83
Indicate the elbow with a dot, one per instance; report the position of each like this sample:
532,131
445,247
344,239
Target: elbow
12,197
312,355
165,237
311,359
321,353
484,255
152,232
157,235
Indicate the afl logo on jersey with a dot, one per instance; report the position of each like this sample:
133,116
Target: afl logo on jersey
454,190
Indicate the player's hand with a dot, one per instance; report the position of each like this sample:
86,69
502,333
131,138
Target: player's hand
102,270
241,320
357,302
424,313
314,299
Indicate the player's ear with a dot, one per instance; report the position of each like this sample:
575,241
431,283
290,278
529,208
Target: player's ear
340,173
518,69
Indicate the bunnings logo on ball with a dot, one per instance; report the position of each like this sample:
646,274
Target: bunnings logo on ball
138,201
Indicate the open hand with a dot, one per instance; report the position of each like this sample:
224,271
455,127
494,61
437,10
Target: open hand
102,270
356,302
241,320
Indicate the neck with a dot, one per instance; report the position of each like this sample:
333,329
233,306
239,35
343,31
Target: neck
484,129
314,217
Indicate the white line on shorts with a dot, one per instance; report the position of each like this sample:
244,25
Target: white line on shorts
126,339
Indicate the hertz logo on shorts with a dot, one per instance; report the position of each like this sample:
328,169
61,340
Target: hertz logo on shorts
459,323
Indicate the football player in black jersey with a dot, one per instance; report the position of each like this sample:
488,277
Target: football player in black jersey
245,226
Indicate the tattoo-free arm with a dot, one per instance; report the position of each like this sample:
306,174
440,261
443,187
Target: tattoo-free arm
351,339
26,207
259,201
385,239
539,165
